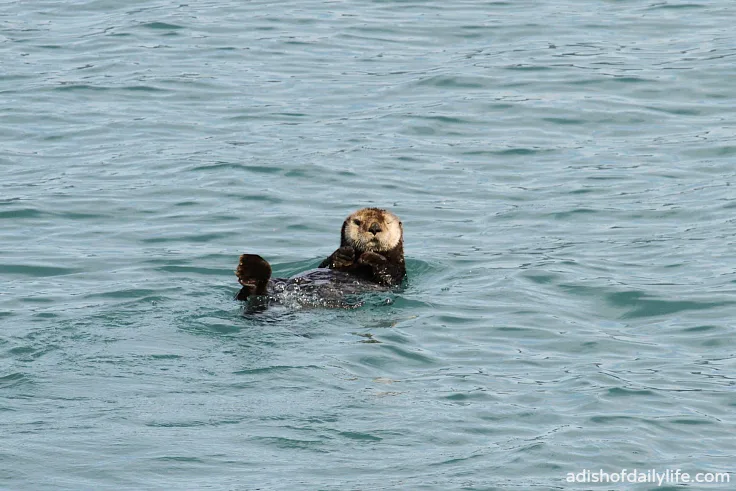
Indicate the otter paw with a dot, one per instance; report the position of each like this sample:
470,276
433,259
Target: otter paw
372,259
344,257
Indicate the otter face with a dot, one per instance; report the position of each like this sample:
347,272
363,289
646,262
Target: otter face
372,229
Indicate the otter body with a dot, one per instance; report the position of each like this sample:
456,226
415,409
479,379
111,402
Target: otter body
370,258
319,287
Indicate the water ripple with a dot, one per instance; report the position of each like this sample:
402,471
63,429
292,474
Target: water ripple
564,175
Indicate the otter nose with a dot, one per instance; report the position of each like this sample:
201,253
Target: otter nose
375,228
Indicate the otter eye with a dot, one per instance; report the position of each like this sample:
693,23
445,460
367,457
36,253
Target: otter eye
356,221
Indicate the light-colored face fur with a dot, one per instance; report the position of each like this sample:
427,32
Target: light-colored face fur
372,229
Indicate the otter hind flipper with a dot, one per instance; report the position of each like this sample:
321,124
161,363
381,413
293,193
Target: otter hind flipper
253,273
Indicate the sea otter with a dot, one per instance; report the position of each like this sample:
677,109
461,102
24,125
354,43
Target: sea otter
370,258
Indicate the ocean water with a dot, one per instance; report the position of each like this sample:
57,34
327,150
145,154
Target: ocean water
566,175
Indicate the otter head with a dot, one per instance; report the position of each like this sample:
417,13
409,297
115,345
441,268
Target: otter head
372,229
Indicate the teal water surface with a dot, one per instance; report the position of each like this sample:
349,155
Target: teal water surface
565,175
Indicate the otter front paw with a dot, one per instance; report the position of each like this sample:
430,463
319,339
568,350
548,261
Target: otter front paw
343,257
372,259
